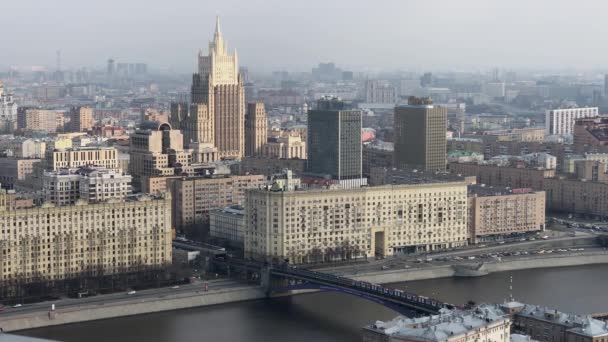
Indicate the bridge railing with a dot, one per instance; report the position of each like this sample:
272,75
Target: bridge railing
430,304
396,294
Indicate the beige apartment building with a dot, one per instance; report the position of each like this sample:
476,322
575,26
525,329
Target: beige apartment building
156,150
39,120
81,156
514,177
500,211
286,146
194,197
315,225
256,128
81,119
517,134
49,243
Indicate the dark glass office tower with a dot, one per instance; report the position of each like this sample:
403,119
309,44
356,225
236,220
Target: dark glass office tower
334,141
420,138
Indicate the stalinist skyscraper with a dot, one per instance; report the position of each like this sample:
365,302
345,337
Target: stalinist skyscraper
217,112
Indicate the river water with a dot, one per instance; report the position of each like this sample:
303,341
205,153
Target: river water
339,317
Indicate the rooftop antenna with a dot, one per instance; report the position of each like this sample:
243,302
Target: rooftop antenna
511,288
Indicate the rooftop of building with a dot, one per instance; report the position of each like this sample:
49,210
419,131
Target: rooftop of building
578,324
521,338
413,176
462,153
380,145
484,190
235,209
500,161
442,327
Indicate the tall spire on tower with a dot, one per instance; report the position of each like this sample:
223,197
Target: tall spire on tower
217,26
217,45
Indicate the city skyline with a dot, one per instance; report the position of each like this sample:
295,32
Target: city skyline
471,34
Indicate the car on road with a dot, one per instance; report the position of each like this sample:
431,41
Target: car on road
131,292
175,287
384,267
471,258
17,305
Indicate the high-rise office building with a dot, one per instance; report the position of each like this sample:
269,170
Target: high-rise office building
256,128
219,98
420,135
334,141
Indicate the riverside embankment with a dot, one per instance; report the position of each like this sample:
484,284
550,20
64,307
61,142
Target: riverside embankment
166,302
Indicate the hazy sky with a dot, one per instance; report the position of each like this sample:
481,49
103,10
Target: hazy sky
297,34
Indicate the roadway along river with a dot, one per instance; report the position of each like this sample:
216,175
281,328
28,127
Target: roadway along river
338,317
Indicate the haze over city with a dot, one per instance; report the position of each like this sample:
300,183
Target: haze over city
295,35
327,171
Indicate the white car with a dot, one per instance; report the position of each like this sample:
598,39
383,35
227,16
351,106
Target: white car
131,292
17,305
175,287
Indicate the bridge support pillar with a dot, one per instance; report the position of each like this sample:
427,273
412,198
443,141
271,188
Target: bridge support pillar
265,279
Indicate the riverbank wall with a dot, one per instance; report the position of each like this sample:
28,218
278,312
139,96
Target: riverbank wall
433,272
136,306
93,312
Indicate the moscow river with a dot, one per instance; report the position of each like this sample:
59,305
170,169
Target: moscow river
339,317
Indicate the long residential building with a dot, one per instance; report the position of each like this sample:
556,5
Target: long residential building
494,175
49,243
194,197
315,225
561,121
83,156
39,120
577,196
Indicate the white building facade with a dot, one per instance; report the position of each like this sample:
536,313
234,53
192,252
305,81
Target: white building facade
8,107
91,184
561,121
